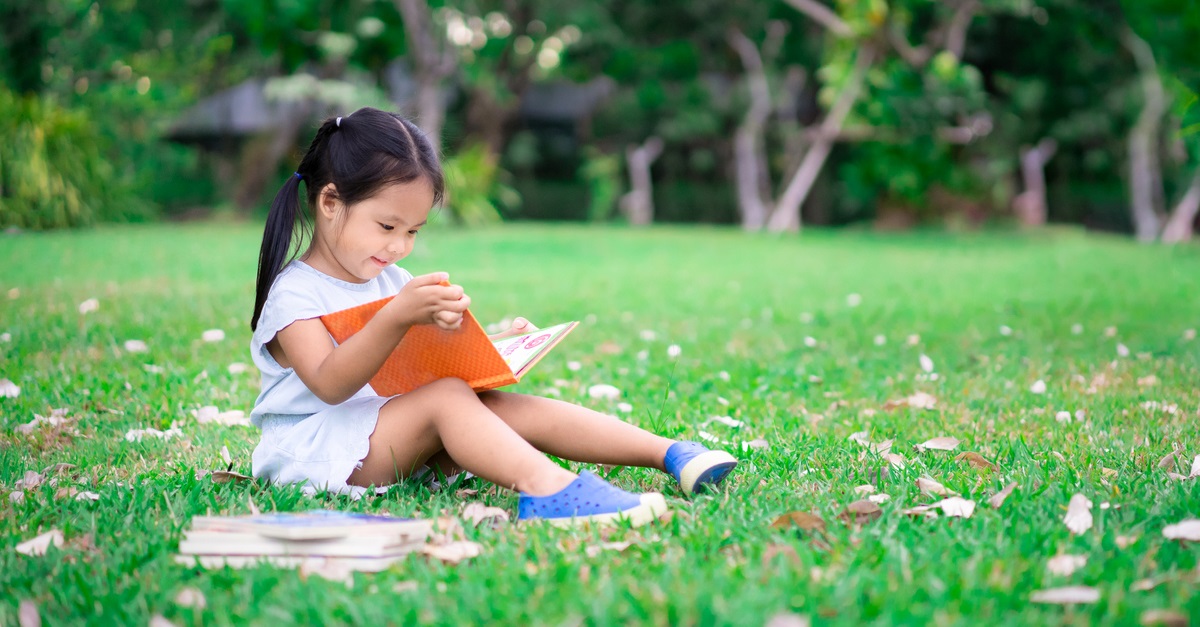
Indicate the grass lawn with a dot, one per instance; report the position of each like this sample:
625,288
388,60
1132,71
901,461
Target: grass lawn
804,340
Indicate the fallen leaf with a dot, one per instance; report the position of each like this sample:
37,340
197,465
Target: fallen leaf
1079,514
1184,530
879,498
998,498
939,444
191,597
603,390
39,545
1038,387
864,489
596,549
860,512
135,346
788,619
405,586
1064,565
1147,380
977,461
477,513
329,568
929,486
158,620
799,520
453,552
27,615
758,443
213,335
1066,596
1124,542
31,480
87,496
16,496
66,492
919,400
926,363
89,305
957,507
8,389
1170,618
895,459
226,476
924,511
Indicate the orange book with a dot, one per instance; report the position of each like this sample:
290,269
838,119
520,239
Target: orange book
428,353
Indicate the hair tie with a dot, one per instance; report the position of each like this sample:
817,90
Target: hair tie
338,123
298,175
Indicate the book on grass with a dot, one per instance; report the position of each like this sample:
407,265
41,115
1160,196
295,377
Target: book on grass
363,541
364,564
428,353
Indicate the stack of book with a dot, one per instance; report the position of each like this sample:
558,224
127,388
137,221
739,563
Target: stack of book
363,542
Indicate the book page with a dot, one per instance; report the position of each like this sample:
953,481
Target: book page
519,350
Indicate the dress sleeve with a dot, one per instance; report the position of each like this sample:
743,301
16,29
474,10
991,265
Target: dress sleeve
286,303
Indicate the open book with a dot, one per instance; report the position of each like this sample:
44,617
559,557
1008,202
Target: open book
428,353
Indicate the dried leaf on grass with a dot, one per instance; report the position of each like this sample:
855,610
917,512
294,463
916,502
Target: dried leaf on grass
39,544
1064,564
943,443
1188,530
329,568
998,498
977,461
788,619
596,549
477,513
918,400
1169,618
860,512
191,597
27,615
233,417
952,507
30,481
800,520
1079,514
1192,474
929,486
1069,595
453,552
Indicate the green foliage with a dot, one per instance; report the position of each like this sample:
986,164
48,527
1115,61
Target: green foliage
602,174
476,192
55,170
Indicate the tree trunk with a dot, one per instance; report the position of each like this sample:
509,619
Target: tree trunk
261,157
1030,205
749,161
1145,175
1179,226
638,203
433,61
786,215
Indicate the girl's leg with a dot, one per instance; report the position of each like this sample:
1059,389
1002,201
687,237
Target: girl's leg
447,414
576,433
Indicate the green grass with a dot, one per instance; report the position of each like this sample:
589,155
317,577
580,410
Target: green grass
740,307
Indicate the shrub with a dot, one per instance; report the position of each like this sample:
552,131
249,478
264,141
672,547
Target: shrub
54,170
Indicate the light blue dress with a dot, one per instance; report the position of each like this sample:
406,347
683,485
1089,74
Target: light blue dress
305,440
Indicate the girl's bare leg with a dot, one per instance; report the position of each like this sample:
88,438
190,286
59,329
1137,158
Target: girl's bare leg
447,414
577,433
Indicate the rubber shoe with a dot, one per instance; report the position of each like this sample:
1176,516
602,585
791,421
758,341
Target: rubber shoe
696,467
591,500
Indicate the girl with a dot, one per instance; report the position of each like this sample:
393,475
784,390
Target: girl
371,179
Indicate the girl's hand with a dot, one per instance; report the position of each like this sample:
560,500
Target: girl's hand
520,326
429,299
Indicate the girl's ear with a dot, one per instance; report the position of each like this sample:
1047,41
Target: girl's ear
328,203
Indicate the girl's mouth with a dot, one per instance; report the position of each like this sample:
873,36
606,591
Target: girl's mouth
381,263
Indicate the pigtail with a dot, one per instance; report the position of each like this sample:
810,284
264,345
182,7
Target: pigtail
277,242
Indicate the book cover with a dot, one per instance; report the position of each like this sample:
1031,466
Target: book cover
213,542
428,353
364,564
317,525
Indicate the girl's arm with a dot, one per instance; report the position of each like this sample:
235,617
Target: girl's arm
336,372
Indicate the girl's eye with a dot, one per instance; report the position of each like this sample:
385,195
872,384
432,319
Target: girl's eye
387,227
413,232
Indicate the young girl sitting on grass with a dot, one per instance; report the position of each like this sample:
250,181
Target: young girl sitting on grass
372,178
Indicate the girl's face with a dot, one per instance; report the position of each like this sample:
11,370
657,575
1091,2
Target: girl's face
355,243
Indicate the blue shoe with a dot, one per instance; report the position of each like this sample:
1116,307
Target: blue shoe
590,499
695,467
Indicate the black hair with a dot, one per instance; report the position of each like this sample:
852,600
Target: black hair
360,154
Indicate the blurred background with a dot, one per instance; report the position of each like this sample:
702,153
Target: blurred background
769,115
